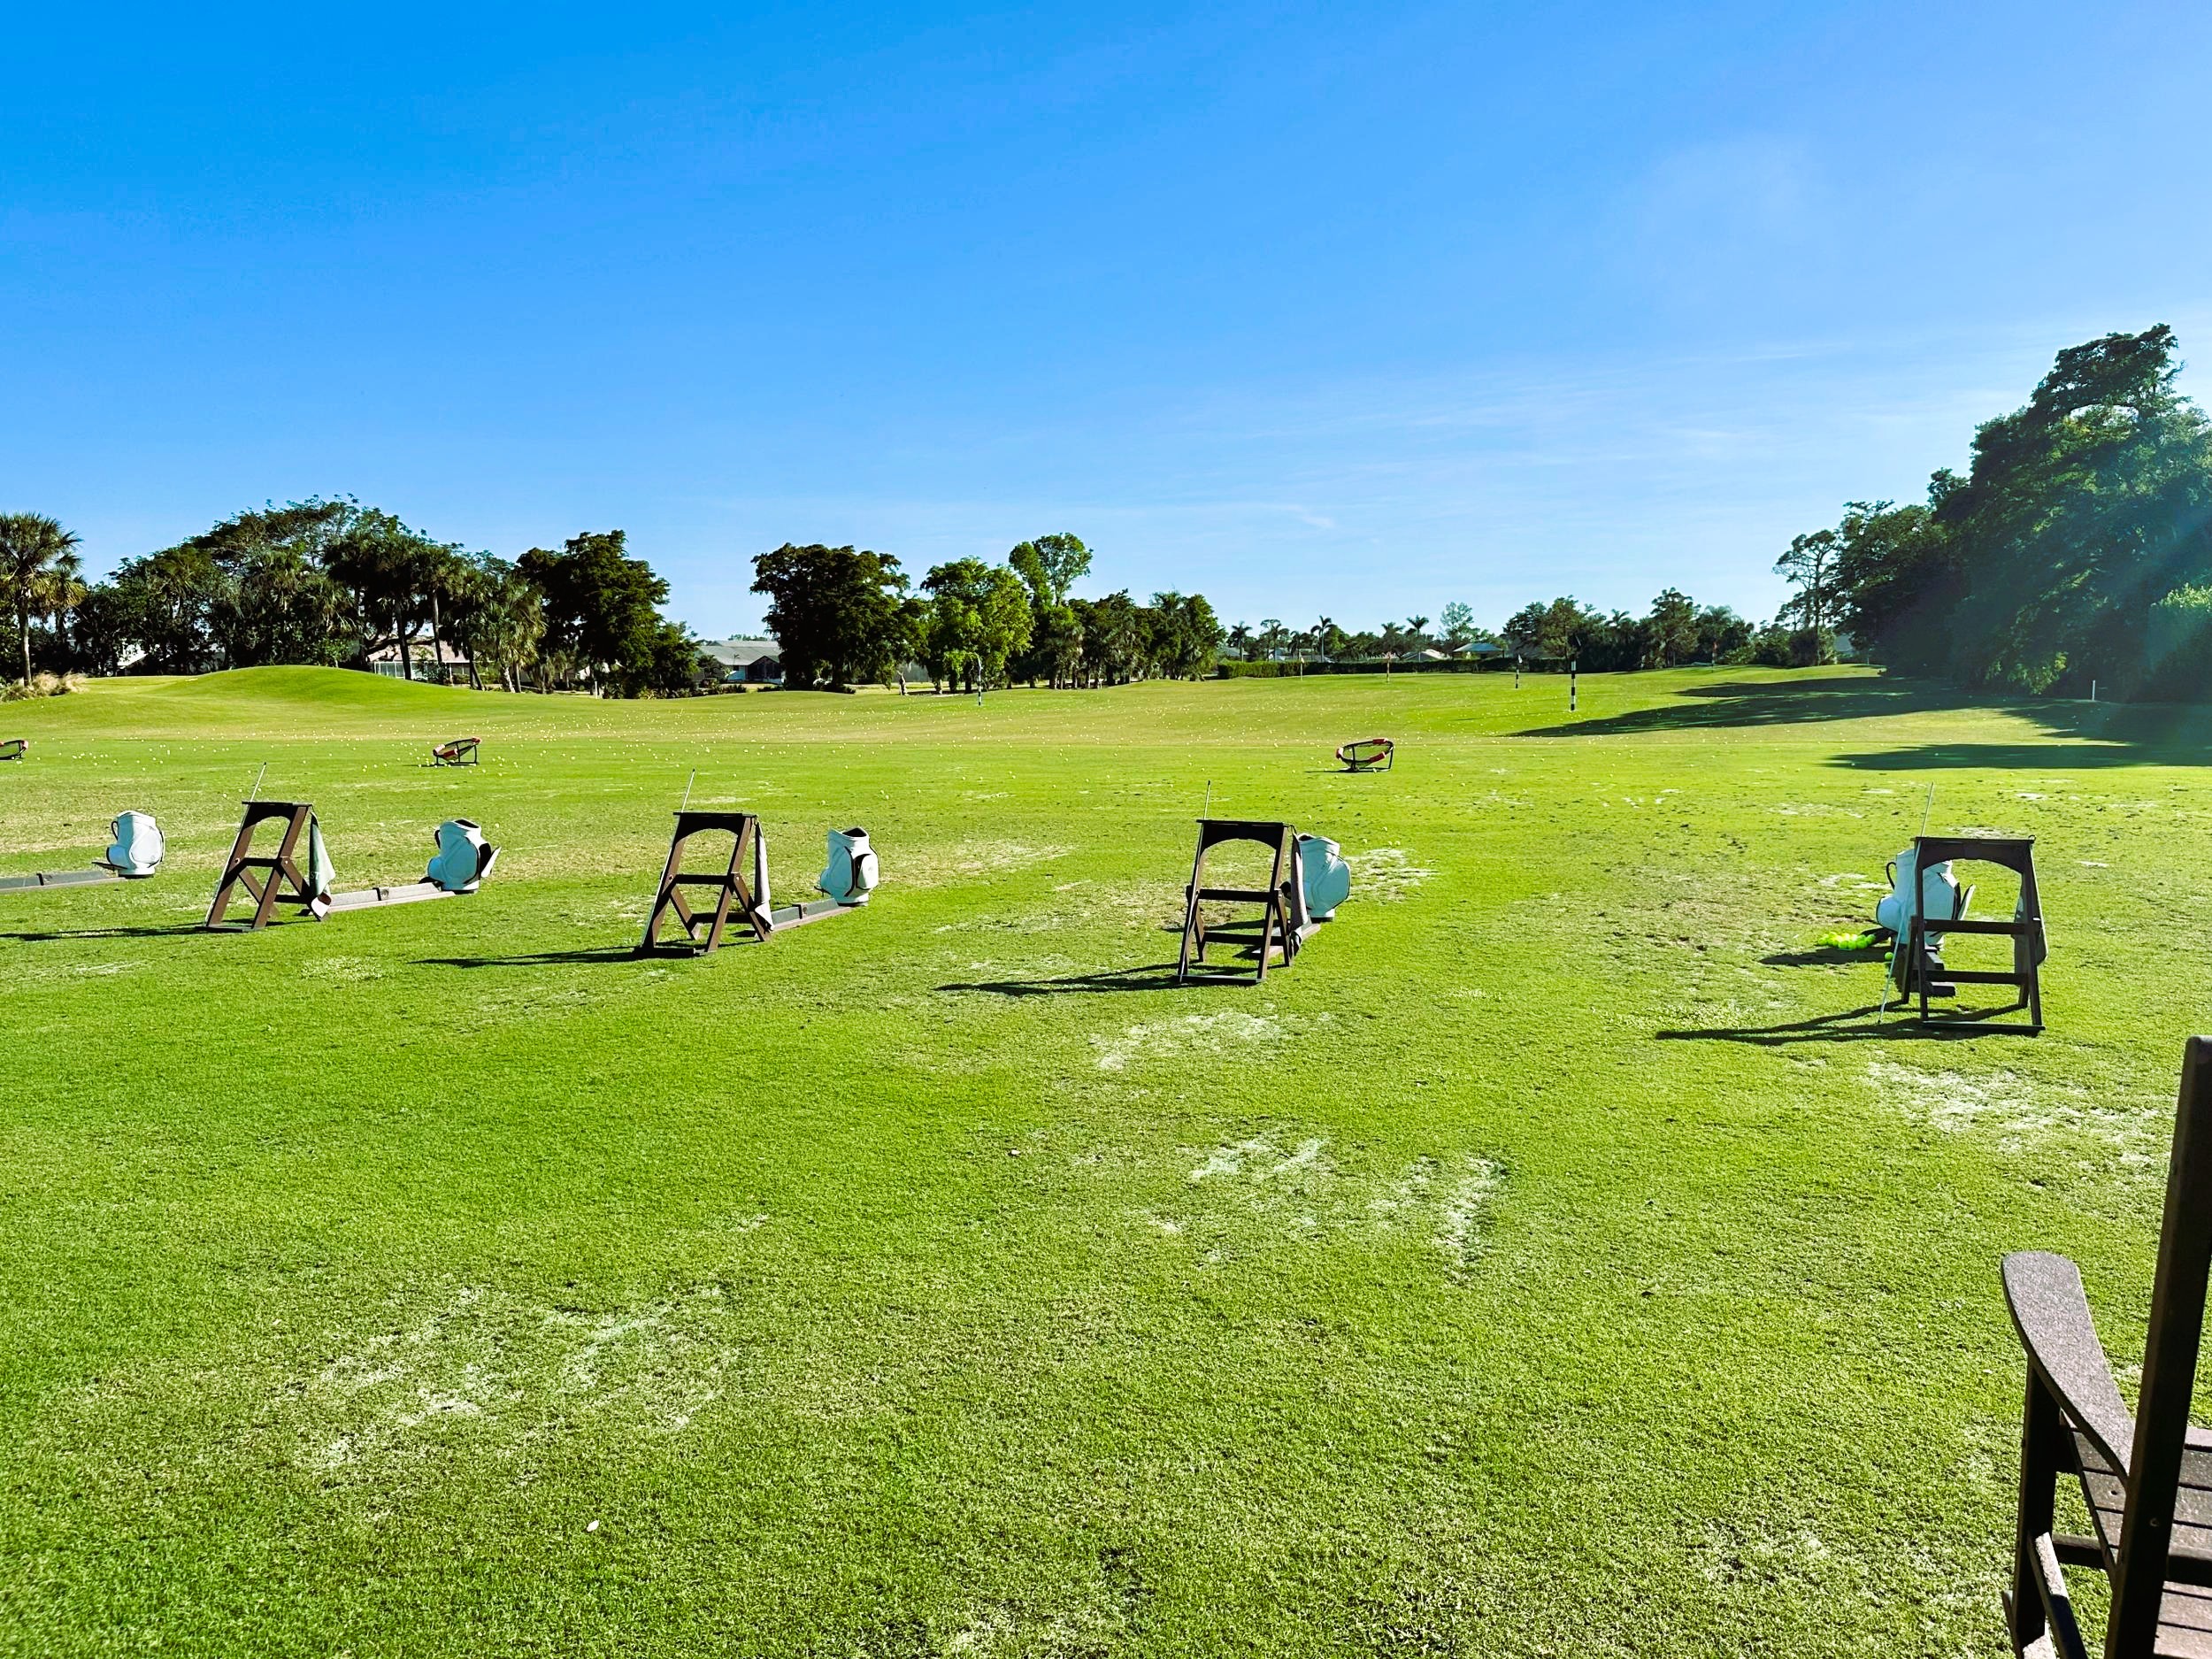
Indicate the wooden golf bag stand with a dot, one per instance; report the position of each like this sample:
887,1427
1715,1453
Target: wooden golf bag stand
848,882
1274,927
728,886
277,871
1922,969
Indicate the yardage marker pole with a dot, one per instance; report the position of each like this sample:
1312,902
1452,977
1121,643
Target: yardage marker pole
1574,666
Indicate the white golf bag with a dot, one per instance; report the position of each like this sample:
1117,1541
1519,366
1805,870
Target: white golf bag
851,875
138,846
1942,899
1325,880
463,858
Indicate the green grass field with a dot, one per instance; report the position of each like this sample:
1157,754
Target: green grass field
1558,1260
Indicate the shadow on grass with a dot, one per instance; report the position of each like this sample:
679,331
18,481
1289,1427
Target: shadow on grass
1159,977
541,958
1902,1024
1740,703
41,936
2061,754
1820,957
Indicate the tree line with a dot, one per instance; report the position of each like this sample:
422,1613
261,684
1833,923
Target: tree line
2077,546
844,616
335,584
1676,630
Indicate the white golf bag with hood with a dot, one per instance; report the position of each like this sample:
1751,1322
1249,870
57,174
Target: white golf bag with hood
138,846
463,859
851,875
1942,898
1325,880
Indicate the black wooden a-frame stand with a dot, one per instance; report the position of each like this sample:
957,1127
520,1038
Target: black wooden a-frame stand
266,889
2025,930
728,886
1273,927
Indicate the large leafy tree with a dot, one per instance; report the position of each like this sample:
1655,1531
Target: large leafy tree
1898,578
275,606
1671,632
1113,638
498,618
39,573
2080,511
600,607
979,617
1049,566
1810,567
839,613
2042,568
392,571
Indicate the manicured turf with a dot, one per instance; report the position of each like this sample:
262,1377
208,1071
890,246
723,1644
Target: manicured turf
1557,1260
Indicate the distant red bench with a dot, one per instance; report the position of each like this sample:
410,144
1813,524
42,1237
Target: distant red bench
460,752
1368,754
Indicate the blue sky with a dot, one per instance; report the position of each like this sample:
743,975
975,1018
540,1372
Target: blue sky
1345,308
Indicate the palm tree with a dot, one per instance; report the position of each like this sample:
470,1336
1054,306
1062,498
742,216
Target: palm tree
38,572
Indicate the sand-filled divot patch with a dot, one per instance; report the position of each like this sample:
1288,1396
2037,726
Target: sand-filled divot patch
1268,1189
1385,874
1228,1032
2021,1112
487,1373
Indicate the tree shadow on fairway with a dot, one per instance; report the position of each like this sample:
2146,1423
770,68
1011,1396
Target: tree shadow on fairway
1159,977
1740,702
1903,1025
541,958
2059,755
2078,734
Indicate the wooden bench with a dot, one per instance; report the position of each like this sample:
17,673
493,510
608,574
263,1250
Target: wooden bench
2146,1480
460,752
1367,754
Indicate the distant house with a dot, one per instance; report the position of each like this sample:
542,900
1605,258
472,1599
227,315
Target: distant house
454,669
1482,651
755,661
